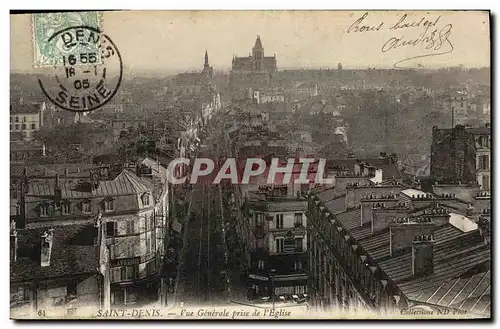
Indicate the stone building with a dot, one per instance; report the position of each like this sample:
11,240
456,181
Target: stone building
58,271
27,119
388,247
194,82
132,207
277,243
462,154
255,71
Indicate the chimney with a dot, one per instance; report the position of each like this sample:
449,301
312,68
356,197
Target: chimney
402,231
13,241
357,168
422,254
46,247
484,226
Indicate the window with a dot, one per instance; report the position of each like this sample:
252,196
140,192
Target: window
66,208
109,205
279,221
484,162
24,126
145,199
130,227
33,126
130,250
24,119
298,220
116,274
260,264
130,272
486,182
280,245
44,210
151,267
86,207
17,119
16,126
11,126
299,242
111,229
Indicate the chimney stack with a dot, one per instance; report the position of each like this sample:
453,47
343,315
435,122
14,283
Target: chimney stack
13,241
423,254
46,247
403,230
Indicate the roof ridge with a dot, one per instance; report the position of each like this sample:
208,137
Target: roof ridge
133,180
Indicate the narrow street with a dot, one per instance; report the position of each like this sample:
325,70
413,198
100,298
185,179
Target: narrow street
203,273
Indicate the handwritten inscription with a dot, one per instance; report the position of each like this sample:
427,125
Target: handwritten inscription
422,37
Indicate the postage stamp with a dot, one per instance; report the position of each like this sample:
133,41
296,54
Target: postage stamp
86,77
47,52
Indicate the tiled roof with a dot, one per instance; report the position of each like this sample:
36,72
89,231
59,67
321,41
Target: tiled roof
73,252
31,108
336,205
285,206
52,169
456,254
479,130
125,183
470,292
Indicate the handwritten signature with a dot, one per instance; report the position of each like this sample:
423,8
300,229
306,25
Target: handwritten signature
433,40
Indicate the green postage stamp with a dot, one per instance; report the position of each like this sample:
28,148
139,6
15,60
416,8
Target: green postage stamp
51,46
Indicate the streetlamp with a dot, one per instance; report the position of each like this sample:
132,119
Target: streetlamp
271,276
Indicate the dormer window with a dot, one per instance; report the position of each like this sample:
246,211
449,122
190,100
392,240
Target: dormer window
86,207
145,199
66,208
109,205
44,210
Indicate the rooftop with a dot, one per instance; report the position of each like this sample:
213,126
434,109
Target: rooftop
459,250
125,183
73,253
30,108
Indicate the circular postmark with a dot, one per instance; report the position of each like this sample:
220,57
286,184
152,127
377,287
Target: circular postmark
88,72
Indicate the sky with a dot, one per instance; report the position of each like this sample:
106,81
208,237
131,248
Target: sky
175,41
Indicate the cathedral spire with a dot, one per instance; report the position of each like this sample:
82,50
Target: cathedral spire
258,44
206,58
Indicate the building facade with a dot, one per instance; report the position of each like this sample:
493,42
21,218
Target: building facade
374,246
254,71
132,206
277,243
56,271
194,82
462,154
26,119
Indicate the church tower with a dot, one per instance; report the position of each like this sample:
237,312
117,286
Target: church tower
207,70
258,55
